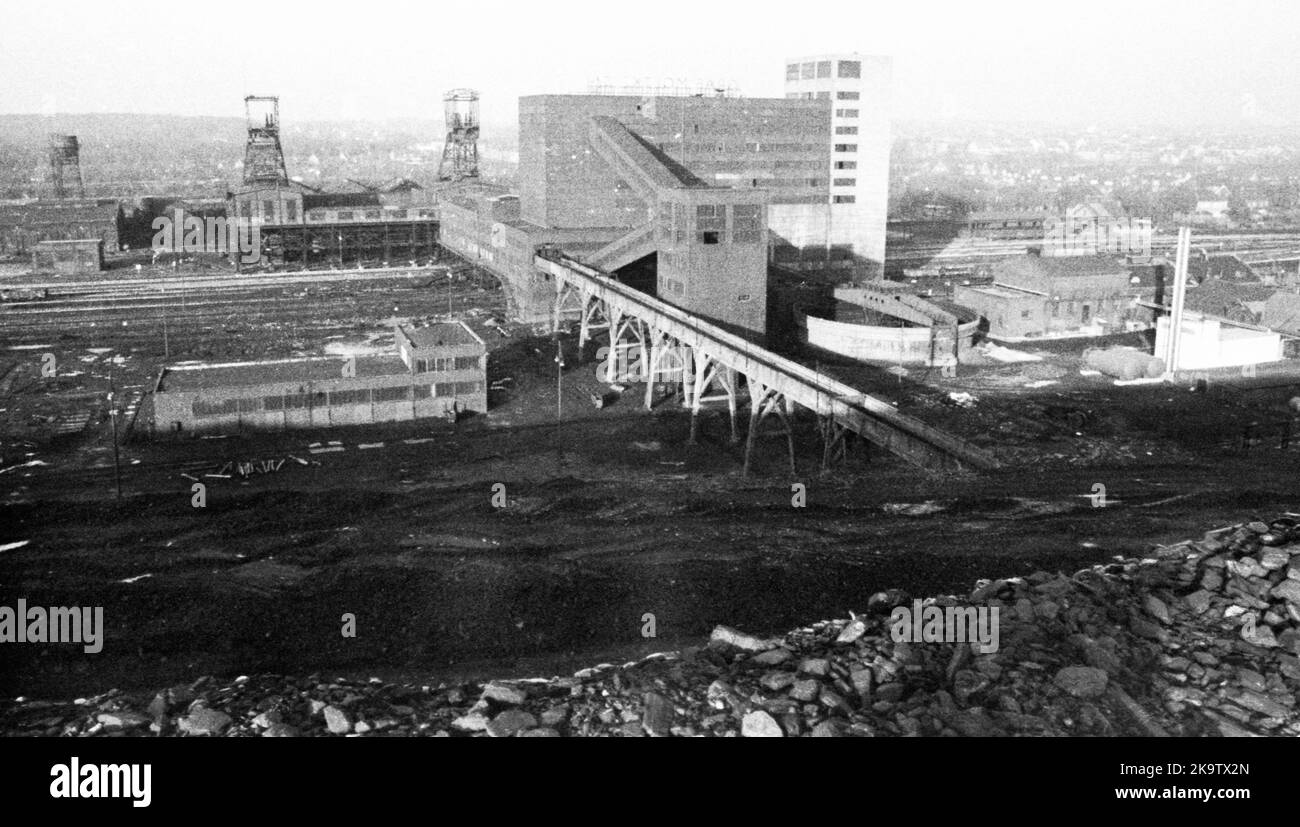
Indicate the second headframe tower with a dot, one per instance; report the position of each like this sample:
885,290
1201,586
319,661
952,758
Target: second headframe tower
263,155
460,152
65,167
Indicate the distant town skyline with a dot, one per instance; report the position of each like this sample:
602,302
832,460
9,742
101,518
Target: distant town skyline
1168,62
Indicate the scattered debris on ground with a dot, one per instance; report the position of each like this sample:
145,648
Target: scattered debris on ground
1199,638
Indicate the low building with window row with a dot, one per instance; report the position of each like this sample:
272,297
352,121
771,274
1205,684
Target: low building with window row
447,376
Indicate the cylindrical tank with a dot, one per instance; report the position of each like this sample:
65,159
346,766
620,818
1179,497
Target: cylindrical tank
65,146
1124,363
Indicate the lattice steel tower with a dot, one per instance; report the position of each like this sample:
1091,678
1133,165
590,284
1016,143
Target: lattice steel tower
460,153
65,167
263,156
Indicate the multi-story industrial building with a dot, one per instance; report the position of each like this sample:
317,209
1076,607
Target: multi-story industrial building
689,197
856,89
436,370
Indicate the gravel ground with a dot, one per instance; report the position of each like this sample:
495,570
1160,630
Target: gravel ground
1198,639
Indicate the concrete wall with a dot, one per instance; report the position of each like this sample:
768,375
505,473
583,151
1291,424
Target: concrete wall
1210,343
69,257
1011,315
562,182
908,345
723,280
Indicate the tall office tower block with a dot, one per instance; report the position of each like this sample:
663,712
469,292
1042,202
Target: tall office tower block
857,90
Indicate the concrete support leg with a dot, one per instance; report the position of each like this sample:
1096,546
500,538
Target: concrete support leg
728,379
612,363
789,433
755,415
656,353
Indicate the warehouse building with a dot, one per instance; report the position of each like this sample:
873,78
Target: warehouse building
436,371
24,224
1034,296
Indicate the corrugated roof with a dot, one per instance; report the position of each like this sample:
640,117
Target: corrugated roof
1033,269
441,334
241,374
1227,299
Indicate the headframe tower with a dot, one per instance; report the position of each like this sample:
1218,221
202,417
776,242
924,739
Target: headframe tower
263,155
460,152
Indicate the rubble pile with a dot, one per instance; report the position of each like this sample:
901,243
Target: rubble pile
1198,639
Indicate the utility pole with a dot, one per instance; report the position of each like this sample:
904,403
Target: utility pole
559,378
112,414
1177,300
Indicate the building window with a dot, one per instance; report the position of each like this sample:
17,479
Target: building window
792,71
850,69
1056,310
823,68
202,408
847,96
268,210
746,224
846,130
846,147
360,396
397,393
291,210
273,403
710,221
808,71
823,96
346,215
844,199
845,182
846,164
423,391
1024,314
846,113
466,362
372,214
316,215
468,387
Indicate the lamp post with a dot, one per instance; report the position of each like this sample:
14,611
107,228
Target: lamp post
112,415
559,378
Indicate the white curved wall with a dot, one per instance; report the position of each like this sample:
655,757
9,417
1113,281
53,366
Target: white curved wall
909,345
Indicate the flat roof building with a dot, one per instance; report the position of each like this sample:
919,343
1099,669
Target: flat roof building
436,370
856,88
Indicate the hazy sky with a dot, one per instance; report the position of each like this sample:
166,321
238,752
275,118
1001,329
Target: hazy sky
1090,61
